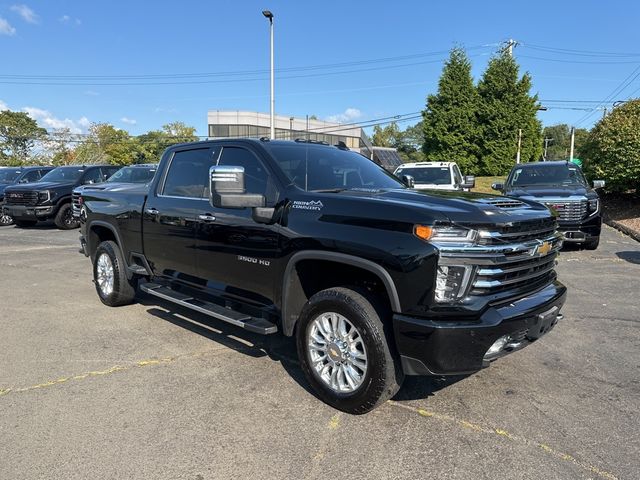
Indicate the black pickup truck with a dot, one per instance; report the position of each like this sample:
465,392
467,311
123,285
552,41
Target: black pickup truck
562,187
50,197
18,175
374,280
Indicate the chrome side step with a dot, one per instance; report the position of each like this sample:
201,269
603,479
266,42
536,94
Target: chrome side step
249,323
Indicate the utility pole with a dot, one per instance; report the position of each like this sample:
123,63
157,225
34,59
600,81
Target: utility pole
546,144
573,139
519,145
269,16
511,43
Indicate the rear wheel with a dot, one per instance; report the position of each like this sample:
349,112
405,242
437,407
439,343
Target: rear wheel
592,243
25,223
64,218
346,351
110,276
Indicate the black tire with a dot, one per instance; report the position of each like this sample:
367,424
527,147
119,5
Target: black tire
24,223
64,219
592,243
123,289
383,376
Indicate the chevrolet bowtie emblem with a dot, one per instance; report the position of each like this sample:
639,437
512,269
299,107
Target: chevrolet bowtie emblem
544,248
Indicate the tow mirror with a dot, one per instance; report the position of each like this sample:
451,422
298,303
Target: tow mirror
226,189
408,181
469,181
598,184
498,186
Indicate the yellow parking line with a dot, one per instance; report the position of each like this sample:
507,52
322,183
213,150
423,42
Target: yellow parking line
504,434
96,373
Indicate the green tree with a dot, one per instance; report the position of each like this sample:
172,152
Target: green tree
389,136
612,150
18,136
107,144
154,142
450,127
505,107
559,144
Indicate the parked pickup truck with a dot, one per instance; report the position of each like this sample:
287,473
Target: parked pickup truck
561,186
50,197
374,280
17,175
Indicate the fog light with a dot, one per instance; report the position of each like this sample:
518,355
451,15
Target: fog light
498,345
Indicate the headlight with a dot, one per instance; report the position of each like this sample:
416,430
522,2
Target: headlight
594,203
44,196
451,282
445,233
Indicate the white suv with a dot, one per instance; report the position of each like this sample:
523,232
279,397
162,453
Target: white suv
434,176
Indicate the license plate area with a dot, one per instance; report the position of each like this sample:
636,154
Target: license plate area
544,322
575,235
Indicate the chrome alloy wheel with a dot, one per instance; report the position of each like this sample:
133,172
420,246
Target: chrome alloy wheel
337,352
104,274
5,219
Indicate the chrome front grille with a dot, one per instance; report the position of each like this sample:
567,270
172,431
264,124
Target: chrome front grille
75,203
569,211
524,264
24,197
520,232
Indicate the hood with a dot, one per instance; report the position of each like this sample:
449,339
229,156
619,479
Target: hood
456,207
41,186
111,187
550,191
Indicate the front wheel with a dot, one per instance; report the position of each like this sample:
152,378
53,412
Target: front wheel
64,218
592,243
346,351
110,276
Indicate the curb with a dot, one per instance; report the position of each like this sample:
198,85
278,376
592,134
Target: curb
626,230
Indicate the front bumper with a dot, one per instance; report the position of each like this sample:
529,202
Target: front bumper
430,347
30,213
581,232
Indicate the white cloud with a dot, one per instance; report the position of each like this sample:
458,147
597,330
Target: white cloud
47,120
26,13
349,115
66,19
3,106
6,28
128,121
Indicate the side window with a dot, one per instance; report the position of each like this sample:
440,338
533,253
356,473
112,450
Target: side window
92,176
256,177
108,171
188,173
457,174
32,176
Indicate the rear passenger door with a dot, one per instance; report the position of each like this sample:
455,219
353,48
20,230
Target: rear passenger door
171,212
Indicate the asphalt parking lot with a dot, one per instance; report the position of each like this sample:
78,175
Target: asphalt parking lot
150,391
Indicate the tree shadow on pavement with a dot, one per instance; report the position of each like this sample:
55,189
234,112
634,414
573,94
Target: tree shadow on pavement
630,256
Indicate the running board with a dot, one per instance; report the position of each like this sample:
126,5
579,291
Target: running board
249,323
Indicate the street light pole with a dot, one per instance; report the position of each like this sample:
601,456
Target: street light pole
269,15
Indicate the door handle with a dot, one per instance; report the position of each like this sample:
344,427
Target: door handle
207,218
151,211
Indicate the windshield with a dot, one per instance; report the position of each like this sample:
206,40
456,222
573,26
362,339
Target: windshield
133,175
322,168
565,174
431,175
63,175
9,175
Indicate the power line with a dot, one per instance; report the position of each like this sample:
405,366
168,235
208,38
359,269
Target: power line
585,53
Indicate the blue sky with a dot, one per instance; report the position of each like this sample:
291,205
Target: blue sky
64,41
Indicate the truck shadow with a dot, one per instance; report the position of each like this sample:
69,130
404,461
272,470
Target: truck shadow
277,347
629,256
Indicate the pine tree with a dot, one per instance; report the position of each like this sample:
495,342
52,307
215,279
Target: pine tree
505,106
450,124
